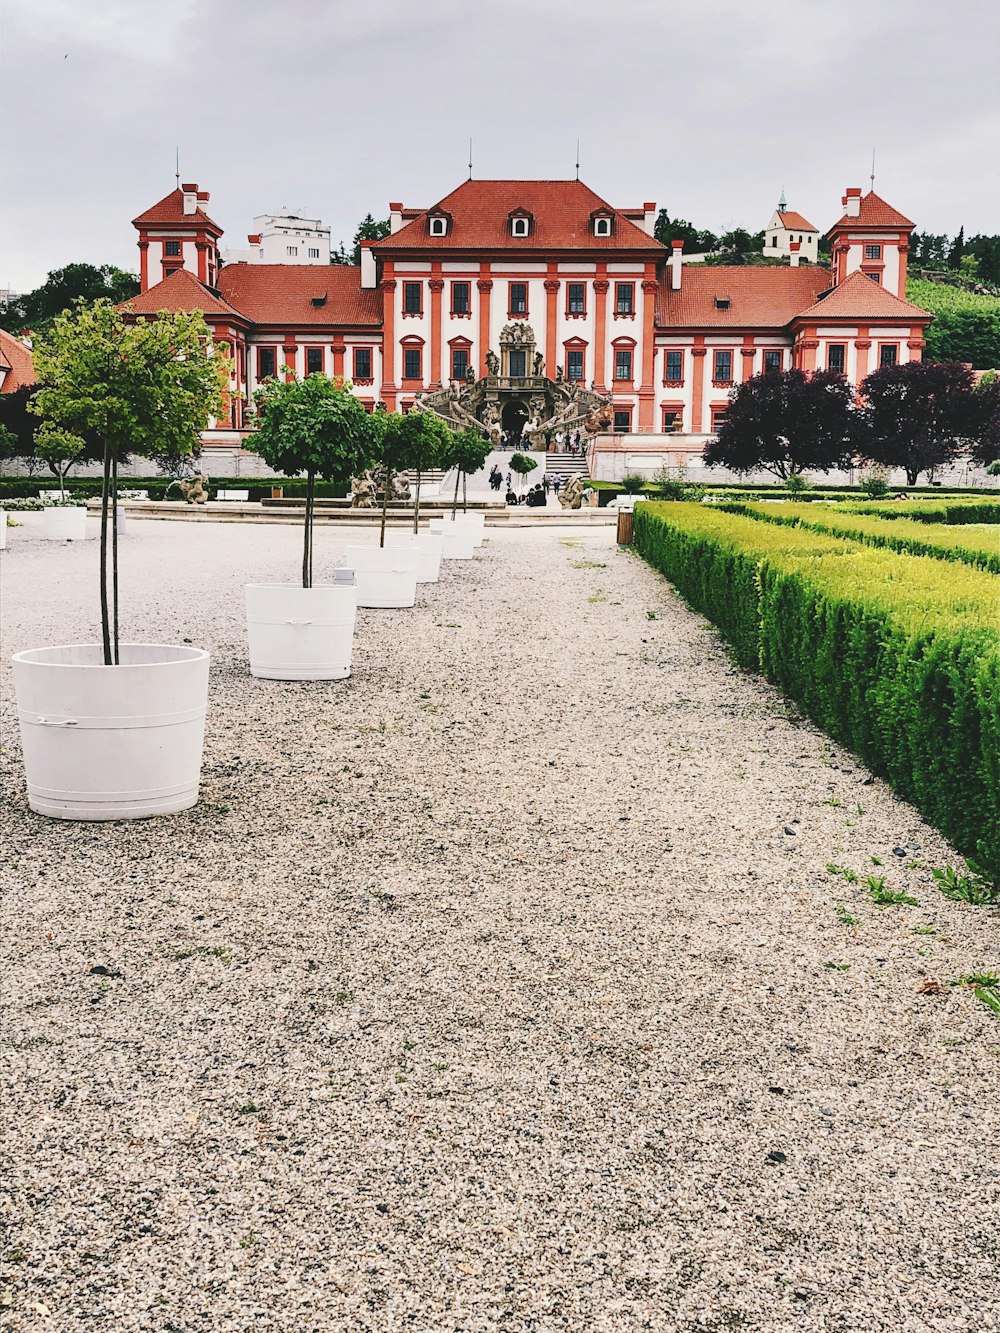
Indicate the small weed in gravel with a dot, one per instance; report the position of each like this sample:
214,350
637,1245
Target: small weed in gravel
876,861
883,897
924,930
651,615
344,996
831,966
966,888
832,800
249,1108
985,986
587,564
850,875
844,916
597,597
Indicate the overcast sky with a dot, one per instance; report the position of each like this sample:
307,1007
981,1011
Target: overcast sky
335,108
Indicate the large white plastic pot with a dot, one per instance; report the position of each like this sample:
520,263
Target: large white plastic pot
65,523
387,576
111,742
302,633
428,546
459,538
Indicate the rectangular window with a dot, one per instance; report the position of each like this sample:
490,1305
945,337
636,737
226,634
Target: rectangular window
459,298
313,252
836,357
672,420
314,360
412,367
172,248
576,298
518,298
875,277
574,366
623,363
718,417
723,372
413,302
623,420
772,361
674,368
873,252
292,250
518,362
267,362
624,298
888,354
362,363
459,362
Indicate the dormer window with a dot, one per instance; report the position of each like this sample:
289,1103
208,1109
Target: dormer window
438,225
602,224
722,303
520,224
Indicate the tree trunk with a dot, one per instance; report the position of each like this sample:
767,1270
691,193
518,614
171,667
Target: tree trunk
307,539
454,503
62,485
385,503
114,556
416,507
911,475
105,621
465,497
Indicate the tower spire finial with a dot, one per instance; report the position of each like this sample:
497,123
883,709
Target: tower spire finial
782,205
177,166
873,170
470,158
578,159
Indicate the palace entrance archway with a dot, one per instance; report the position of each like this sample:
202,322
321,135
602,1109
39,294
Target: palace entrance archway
513,417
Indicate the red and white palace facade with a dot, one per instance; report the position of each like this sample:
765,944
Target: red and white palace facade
607,304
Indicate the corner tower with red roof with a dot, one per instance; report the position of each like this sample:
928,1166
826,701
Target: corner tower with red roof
178,233
872,238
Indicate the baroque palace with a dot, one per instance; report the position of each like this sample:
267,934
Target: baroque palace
514,302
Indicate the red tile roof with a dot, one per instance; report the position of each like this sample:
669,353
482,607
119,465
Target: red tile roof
16,359
875,212
181,291
284,293
795,221
857,297
760,296
479,220
170,210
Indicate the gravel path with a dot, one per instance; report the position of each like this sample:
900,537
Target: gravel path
501,986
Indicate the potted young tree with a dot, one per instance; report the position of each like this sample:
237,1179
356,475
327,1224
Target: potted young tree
114,730
60,449
316,426
419,441
463,532
387,575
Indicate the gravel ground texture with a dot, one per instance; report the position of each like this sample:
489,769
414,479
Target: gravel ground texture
502,986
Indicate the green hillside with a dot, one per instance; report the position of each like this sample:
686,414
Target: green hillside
966,327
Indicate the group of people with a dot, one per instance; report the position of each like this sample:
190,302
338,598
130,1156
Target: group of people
536,497
571,442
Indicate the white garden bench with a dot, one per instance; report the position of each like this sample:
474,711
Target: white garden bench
233,495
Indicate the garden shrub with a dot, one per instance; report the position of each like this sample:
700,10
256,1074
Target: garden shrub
896,656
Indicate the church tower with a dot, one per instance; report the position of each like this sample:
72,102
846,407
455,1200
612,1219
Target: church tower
178,233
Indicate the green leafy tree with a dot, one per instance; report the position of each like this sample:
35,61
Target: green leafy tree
59,449
521,465
8,443
147,386
785,423
316,426
957,250
986,443
417,441
17,417
467,452
369,229
918,416
62,288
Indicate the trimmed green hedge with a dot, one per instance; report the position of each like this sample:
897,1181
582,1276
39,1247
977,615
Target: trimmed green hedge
942,541
896,656
27,488
949,510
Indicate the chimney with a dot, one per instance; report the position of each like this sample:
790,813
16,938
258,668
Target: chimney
794,247
190,199
369,269
395,218
852,203
254,238
649,216
676,260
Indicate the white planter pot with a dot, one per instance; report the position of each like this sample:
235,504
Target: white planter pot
459,538
387,576
120,520
118,742
3,530
65,523
302,633
428,547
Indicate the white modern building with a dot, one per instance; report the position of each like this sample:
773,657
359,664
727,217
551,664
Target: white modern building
283,238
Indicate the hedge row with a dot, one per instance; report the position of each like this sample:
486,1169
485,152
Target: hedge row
941,541
896,656
948,510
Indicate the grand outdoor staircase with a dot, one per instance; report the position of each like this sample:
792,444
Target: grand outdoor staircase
564,466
